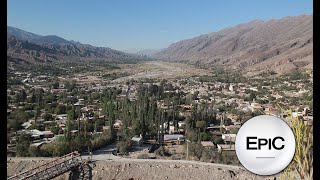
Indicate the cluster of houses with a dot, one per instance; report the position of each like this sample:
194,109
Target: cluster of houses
207,93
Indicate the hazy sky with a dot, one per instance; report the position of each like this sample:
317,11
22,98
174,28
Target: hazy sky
142,24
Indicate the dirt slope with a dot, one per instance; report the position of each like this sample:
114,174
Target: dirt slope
135,169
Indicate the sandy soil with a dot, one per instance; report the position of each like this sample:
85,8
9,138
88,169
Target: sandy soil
149,169
159,70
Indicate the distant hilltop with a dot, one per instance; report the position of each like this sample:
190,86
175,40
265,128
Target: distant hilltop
27,47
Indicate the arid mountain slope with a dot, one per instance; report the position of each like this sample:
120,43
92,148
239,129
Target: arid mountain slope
22,35
281,45
27,47
26,52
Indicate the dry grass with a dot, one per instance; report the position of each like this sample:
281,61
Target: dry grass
301,166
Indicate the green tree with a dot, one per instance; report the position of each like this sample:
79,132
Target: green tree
55,130
69,125
55,85
61,109
47,117
37,113
192,135
23,143
217,139
16,118
201,125
34,151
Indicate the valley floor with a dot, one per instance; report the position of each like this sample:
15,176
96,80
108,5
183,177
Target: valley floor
159,70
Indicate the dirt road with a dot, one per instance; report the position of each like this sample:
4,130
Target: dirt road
108,166
124,168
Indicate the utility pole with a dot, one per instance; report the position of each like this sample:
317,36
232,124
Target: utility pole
230,139
187,158
85,128
160,129
161,138
221,121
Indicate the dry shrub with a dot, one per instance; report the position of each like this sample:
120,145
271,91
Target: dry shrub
301,166
162,151
143,156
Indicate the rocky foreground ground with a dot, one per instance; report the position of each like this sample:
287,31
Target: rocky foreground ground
134,170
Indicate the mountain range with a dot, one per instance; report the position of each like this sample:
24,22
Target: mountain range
280,45
26,47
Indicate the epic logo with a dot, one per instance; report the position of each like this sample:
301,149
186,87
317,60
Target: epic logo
265,145
263,142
